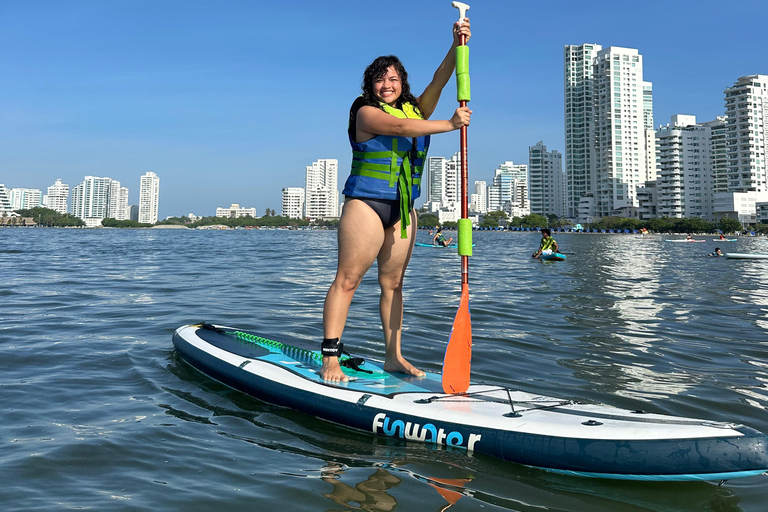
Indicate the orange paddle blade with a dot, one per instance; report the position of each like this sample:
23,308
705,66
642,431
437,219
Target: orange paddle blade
458,354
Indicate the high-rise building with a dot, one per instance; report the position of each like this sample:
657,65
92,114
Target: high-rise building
5,200
546,181
118,202
443,182
650,133
684,182
57,196
149,198
509,191
608,125
321,189
746,109
718,153
26,198
90,200
620,128
479,199
293,203
433,184
579,124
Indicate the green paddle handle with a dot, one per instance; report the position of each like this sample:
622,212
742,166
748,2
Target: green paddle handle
465,237
462,73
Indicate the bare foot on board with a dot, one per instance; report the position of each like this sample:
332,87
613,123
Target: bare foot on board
331,370
403,366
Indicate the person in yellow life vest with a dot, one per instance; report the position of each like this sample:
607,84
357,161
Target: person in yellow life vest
548,244
389,131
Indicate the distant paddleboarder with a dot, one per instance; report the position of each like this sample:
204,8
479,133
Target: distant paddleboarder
389,130
439,238
548,244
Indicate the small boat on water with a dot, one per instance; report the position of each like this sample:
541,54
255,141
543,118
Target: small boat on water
745,256
688,241
724,239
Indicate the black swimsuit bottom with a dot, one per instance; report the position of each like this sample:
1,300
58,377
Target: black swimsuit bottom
388,210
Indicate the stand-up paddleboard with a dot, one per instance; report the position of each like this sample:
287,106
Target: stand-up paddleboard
555,256
543,432
745,256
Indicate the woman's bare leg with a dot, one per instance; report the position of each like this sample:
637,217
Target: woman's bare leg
393,260
360,237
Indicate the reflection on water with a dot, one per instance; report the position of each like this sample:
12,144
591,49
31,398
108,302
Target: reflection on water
370,494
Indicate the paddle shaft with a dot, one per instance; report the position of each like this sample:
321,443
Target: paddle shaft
464,178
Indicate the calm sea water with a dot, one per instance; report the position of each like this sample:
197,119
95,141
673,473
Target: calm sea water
99,413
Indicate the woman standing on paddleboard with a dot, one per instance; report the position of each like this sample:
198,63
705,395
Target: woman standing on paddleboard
389,132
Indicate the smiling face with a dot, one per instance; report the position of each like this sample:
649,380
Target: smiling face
388,87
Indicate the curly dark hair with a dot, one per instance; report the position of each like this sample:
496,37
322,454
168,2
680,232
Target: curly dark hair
379,67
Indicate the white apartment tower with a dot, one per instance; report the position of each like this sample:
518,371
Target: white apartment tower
620,128
321,189
56,198
478,202
450,193
746,109
149,198
546,181
579,124
718,153
509,191
650,133
25,198
90,200
608,130
293,203
5,200
434,186
118,202
684,183
442,188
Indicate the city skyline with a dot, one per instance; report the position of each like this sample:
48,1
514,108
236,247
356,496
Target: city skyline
224,118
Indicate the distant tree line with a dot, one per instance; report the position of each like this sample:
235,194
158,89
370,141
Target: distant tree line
661,225
51,218
270,220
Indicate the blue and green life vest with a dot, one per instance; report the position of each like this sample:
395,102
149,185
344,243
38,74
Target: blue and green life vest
388,167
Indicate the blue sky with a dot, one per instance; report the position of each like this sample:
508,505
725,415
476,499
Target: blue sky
228,101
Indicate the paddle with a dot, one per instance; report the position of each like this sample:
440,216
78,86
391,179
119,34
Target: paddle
458,353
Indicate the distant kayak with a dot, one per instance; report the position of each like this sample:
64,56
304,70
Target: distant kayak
555,256
724,239
688,241
438,246
744,256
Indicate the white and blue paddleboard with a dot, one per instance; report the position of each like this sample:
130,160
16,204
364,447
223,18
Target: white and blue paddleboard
556,435
554,256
